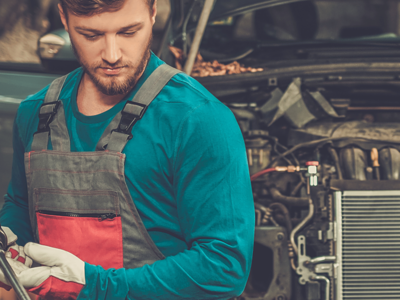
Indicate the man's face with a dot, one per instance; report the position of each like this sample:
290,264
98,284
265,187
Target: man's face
113,47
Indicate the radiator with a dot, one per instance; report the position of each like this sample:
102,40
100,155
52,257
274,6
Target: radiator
367,231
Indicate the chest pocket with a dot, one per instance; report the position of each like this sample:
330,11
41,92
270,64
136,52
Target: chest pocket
85,223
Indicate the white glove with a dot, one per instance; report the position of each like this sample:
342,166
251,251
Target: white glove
16,257
61,276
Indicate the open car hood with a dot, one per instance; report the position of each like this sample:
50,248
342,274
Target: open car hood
223,8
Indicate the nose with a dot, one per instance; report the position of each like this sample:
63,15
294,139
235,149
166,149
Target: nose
112,52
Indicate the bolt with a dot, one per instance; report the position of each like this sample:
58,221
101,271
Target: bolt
280,236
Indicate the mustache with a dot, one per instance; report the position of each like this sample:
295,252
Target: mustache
112,66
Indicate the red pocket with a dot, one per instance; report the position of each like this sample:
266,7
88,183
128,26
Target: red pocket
96,240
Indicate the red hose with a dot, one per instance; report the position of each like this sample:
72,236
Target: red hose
262,173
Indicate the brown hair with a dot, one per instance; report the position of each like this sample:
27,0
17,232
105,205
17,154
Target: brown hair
92,7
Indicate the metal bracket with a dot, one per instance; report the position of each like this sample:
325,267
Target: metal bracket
308,268
303,270
327,234
273,81
324,269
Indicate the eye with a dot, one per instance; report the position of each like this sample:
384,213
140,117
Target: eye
128,34
91,37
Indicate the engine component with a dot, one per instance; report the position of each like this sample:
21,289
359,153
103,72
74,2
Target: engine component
363,134
327,284
310,269
258,150
291,105
354,162
313,290
270,275
369,173
335,159
301,224
389,159
375,162
285,211
304,268
312,172
367,227
263,215
288,200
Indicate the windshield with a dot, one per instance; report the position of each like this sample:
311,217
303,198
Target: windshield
311,21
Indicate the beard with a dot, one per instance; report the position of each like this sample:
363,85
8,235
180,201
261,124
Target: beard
112,85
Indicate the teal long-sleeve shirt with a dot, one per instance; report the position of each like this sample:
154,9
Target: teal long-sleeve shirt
187,172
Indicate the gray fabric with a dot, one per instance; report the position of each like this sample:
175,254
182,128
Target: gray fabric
59,132
105,137
40,141
96,161
85,175
133,109
76,202
146,94
154,84
117,141
47,109
53,93
87,182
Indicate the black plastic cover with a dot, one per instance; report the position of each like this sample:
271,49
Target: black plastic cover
359,133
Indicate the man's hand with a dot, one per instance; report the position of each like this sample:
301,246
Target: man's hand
61,276
15,256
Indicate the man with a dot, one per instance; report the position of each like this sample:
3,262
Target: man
138,173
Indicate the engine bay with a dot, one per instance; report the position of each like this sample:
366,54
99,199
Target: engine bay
324,160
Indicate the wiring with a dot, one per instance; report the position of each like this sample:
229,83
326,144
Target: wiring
320,141
261,173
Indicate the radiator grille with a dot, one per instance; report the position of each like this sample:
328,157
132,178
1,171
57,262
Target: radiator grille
370,245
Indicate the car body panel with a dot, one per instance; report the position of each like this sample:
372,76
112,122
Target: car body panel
14,87
223,9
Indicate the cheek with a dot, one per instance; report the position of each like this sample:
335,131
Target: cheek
90,51
135,47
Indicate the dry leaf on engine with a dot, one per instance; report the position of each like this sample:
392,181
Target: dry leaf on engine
214,68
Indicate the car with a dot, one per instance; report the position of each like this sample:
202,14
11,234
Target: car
314,85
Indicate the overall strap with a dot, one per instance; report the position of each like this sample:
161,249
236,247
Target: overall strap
52,121
118,132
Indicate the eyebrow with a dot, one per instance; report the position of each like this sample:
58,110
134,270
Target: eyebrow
125,28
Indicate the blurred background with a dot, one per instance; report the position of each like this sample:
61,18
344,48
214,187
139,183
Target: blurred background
22,22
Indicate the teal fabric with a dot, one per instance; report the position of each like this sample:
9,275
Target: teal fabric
187,172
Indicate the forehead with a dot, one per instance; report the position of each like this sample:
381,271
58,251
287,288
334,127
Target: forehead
132,11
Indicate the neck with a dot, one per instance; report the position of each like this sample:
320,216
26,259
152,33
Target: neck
91,101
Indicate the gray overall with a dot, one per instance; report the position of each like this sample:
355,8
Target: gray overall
79,201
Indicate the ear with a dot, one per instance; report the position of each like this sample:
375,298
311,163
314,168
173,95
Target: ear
63,17
153,17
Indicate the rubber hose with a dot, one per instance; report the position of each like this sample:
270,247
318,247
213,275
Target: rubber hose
286,214
288,200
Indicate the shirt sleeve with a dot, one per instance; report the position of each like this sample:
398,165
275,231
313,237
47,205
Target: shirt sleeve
15,211
216,214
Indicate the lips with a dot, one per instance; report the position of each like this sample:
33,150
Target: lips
112,71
